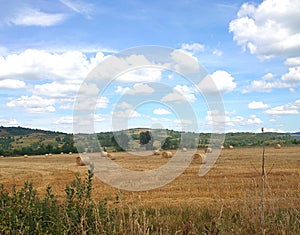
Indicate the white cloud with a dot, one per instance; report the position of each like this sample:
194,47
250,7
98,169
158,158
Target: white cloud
264,86
102,102
257,105
33,17
160,111
181,93
9,122
220,81
141,75
38,65
218,120
12,84
64,120
137,89
126,114
217,52
33,104
184,62
294,61
293,76
284,109
253,120
91,103
268,76
80,7
99,118
56,89
124,105
269,29
193,47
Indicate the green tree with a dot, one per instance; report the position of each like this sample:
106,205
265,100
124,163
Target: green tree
146,140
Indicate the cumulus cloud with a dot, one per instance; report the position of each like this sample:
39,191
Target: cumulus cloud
181,93
257,105
37,65
33,104
192,47
269,29
64,120
124,105
266,86
160,111
220,81
254,120
12,84
283,109
137,89
214,117
141,75
56,89
126,114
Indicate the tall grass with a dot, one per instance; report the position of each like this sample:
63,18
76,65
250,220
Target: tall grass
23,212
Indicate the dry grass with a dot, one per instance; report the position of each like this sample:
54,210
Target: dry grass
234,180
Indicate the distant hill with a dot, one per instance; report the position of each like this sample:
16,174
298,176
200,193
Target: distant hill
16,141
18,131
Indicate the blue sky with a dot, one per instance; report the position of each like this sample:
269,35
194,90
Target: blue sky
251,50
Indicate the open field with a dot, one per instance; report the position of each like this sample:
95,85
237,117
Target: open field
235,178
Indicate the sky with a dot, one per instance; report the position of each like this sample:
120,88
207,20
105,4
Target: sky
250,50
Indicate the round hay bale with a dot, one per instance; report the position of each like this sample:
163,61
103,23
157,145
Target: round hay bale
104,154
61,153
198,156
82,160
112,158
230,147
1,156
184,149
222,147
208,150
25,156
156,152
70,153
46,155
167,154
277,146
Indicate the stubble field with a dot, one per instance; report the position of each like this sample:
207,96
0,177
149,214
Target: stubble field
234,180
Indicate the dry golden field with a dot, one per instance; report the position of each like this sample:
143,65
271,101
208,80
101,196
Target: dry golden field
234,180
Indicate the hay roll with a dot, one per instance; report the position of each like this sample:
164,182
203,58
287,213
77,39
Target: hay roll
277,146
167,154
156,152
184,149
208,150
104,154
198,156
82,160
230,147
